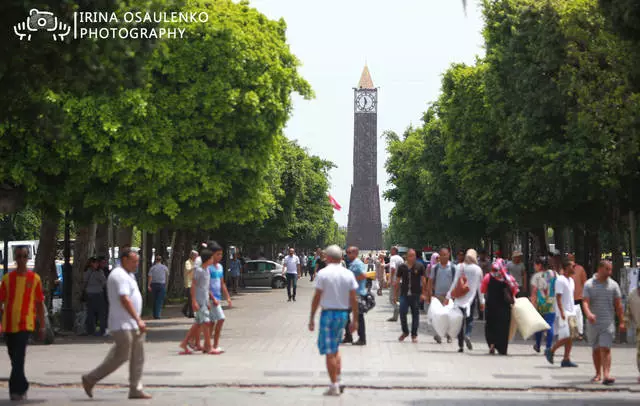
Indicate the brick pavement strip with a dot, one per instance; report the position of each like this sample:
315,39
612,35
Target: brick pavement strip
267,343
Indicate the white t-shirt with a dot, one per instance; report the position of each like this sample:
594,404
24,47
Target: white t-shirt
394,263
122,283
565,287
291,263
336,283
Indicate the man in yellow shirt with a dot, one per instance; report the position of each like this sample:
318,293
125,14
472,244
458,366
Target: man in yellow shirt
21,298
189,267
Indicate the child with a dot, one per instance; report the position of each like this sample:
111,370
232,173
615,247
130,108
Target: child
201,305
217,287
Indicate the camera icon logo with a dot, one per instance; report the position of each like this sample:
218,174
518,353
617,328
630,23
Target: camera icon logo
42,21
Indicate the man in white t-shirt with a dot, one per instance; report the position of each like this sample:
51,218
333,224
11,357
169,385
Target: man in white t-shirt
336,293
566,324
126,327
394,263
291,268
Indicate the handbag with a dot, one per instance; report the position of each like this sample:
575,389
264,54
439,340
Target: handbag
462,286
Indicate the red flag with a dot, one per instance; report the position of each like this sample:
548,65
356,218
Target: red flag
334,203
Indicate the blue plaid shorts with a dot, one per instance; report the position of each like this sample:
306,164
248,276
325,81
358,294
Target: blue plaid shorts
332,323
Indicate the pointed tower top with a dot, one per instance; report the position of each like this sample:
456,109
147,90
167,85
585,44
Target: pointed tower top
365,79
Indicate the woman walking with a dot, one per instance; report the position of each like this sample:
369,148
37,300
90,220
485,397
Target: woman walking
499,289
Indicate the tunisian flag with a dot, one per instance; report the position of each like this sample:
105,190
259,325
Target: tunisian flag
334,203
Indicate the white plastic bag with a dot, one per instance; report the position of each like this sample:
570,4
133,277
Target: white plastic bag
375,285
527,318
456,318
438,317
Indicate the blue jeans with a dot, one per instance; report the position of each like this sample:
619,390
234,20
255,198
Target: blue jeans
412,302
292,279
550,318
158,291
467,326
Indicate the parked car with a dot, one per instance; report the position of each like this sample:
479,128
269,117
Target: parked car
264,273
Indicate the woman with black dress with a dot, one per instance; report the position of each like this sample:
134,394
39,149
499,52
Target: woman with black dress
499,289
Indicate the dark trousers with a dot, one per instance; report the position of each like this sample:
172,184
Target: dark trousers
96,313
467,327
413,303
17,349
292,279
187,310
362,331
158,291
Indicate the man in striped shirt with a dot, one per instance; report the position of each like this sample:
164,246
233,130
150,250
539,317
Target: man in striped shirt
21,298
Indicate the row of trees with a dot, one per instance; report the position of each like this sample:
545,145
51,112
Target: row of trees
179,137
542,131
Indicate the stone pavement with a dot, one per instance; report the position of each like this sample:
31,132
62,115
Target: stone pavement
267,344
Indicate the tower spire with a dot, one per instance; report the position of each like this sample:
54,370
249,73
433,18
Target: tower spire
365,79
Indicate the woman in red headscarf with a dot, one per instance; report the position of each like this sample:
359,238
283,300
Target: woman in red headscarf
499,289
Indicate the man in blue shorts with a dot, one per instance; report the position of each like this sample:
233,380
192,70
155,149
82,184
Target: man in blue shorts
335,292
217,288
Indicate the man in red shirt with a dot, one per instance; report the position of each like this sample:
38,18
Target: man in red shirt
21,298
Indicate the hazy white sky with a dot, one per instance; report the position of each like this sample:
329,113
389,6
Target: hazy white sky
407,44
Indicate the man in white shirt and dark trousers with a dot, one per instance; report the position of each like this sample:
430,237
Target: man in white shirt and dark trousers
126,327
291,268
336,293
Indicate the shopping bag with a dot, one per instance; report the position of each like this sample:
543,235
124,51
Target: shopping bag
375,285
456,318
438,317
527,318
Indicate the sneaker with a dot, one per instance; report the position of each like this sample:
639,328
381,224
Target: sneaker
347,341
536,348
467,341
360,342
289,300
438,339
392,319
461,350
568,364
294,298
548,355
332,391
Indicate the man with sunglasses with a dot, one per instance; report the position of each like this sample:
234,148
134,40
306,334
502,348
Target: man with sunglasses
21,299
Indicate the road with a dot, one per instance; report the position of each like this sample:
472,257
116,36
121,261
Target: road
268,346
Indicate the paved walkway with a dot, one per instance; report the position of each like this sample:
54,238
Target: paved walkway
267,343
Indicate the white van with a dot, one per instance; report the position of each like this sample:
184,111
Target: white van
32,248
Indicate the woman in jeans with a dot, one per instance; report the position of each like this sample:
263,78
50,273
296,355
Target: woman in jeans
94,285
543,297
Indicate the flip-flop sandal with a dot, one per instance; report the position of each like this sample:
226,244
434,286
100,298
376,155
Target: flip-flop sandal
608,382
185,352
595,379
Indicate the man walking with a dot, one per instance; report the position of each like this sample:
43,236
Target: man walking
579,278
566,319
291,266
21,301
394,263
336,294
601,296
126,327
412,286
158,276
440,281
359,270
189,270
516,268
234,273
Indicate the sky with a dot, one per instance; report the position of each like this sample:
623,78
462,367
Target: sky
407,44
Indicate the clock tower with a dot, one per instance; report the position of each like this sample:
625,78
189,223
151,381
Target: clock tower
365,227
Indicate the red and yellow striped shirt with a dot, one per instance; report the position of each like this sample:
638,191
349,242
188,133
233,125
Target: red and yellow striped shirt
19,294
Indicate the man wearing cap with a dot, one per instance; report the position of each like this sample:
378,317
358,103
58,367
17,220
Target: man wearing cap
335,292
189,268
517,269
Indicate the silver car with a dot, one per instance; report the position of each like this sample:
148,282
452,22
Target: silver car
264,273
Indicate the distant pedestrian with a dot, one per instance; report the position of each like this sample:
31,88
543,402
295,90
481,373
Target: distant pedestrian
633,316
321,262
311,265
517,270
543,296
500,289
359,270
218,288
291,269
440,280
94,286
579,278
602,302
336,293
21,301
189,269
234,273
125,326
394,263
157,285
380,273
411,288
566,326
464,289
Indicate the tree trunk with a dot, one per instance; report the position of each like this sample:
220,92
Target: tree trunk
125,236
579,243
102,239
179,254
559,239
539,246
616,242
84,247
633,230
45,260
592,239
160,242
148,249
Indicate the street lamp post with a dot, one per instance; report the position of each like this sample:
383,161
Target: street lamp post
67,282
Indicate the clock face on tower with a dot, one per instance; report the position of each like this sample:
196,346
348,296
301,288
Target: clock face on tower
365,102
